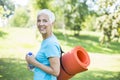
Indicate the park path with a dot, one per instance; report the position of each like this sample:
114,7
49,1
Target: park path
109,62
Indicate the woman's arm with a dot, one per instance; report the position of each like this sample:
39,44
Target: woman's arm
54,68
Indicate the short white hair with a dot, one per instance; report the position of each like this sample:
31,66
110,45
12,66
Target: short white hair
47,12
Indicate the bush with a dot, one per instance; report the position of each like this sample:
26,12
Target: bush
20,18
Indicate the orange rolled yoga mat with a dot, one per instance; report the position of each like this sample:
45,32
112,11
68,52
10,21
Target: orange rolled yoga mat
73,62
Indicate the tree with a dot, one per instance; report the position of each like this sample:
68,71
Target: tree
8,7
105,6
75,13
41,4
20,18
109,18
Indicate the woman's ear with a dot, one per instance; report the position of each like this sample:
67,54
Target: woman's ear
53,23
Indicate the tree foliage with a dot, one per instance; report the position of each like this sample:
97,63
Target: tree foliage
8,7
109,20
75,13
20,18
105,5
42,4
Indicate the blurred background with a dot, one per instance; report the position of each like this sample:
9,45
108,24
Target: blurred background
92,24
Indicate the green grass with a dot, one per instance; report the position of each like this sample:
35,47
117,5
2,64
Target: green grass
88,40
14,69
16,42
97,75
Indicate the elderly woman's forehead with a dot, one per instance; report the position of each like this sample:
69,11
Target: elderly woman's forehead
43,15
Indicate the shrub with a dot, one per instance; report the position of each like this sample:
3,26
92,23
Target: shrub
20,18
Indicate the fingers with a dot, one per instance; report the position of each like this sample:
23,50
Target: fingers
28,67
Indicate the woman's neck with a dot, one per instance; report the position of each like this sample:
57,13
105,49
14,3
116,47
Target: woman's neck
45,36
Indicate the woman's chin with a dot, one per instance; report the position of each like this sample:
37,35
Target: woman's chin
43,32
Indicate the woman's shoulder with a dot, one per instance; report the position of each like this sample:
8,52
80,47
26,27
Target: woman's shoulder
53,43
53,40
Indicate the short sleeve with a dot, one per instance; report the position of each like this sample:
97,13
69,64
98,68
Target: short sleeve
52,50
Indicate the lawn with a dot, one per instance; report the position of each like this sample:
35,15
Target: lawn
16,42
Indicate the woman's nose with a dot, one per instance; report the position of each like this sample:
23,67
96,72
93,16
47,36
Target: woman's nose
40,23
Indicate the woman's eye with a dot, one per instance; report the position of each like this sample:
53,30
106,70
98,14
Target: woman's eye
38,20
45,21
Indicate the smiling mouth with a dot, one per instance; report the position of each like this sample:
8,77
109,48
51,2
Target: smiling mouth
42,29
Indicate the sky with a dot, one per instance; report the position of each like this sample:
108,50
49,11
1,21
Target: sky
111,9
91,5
21,2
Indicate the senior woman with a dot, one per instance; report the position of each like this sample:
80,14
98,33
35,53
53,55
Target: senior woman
47,60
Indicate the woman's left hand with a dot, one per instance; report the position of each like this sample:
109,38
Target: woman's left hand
30,59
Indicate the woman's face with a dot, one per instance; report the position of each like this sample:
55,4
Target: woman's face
44,24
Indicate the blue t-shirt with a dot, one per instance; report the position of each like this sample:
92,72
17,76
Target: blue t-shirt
49,48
